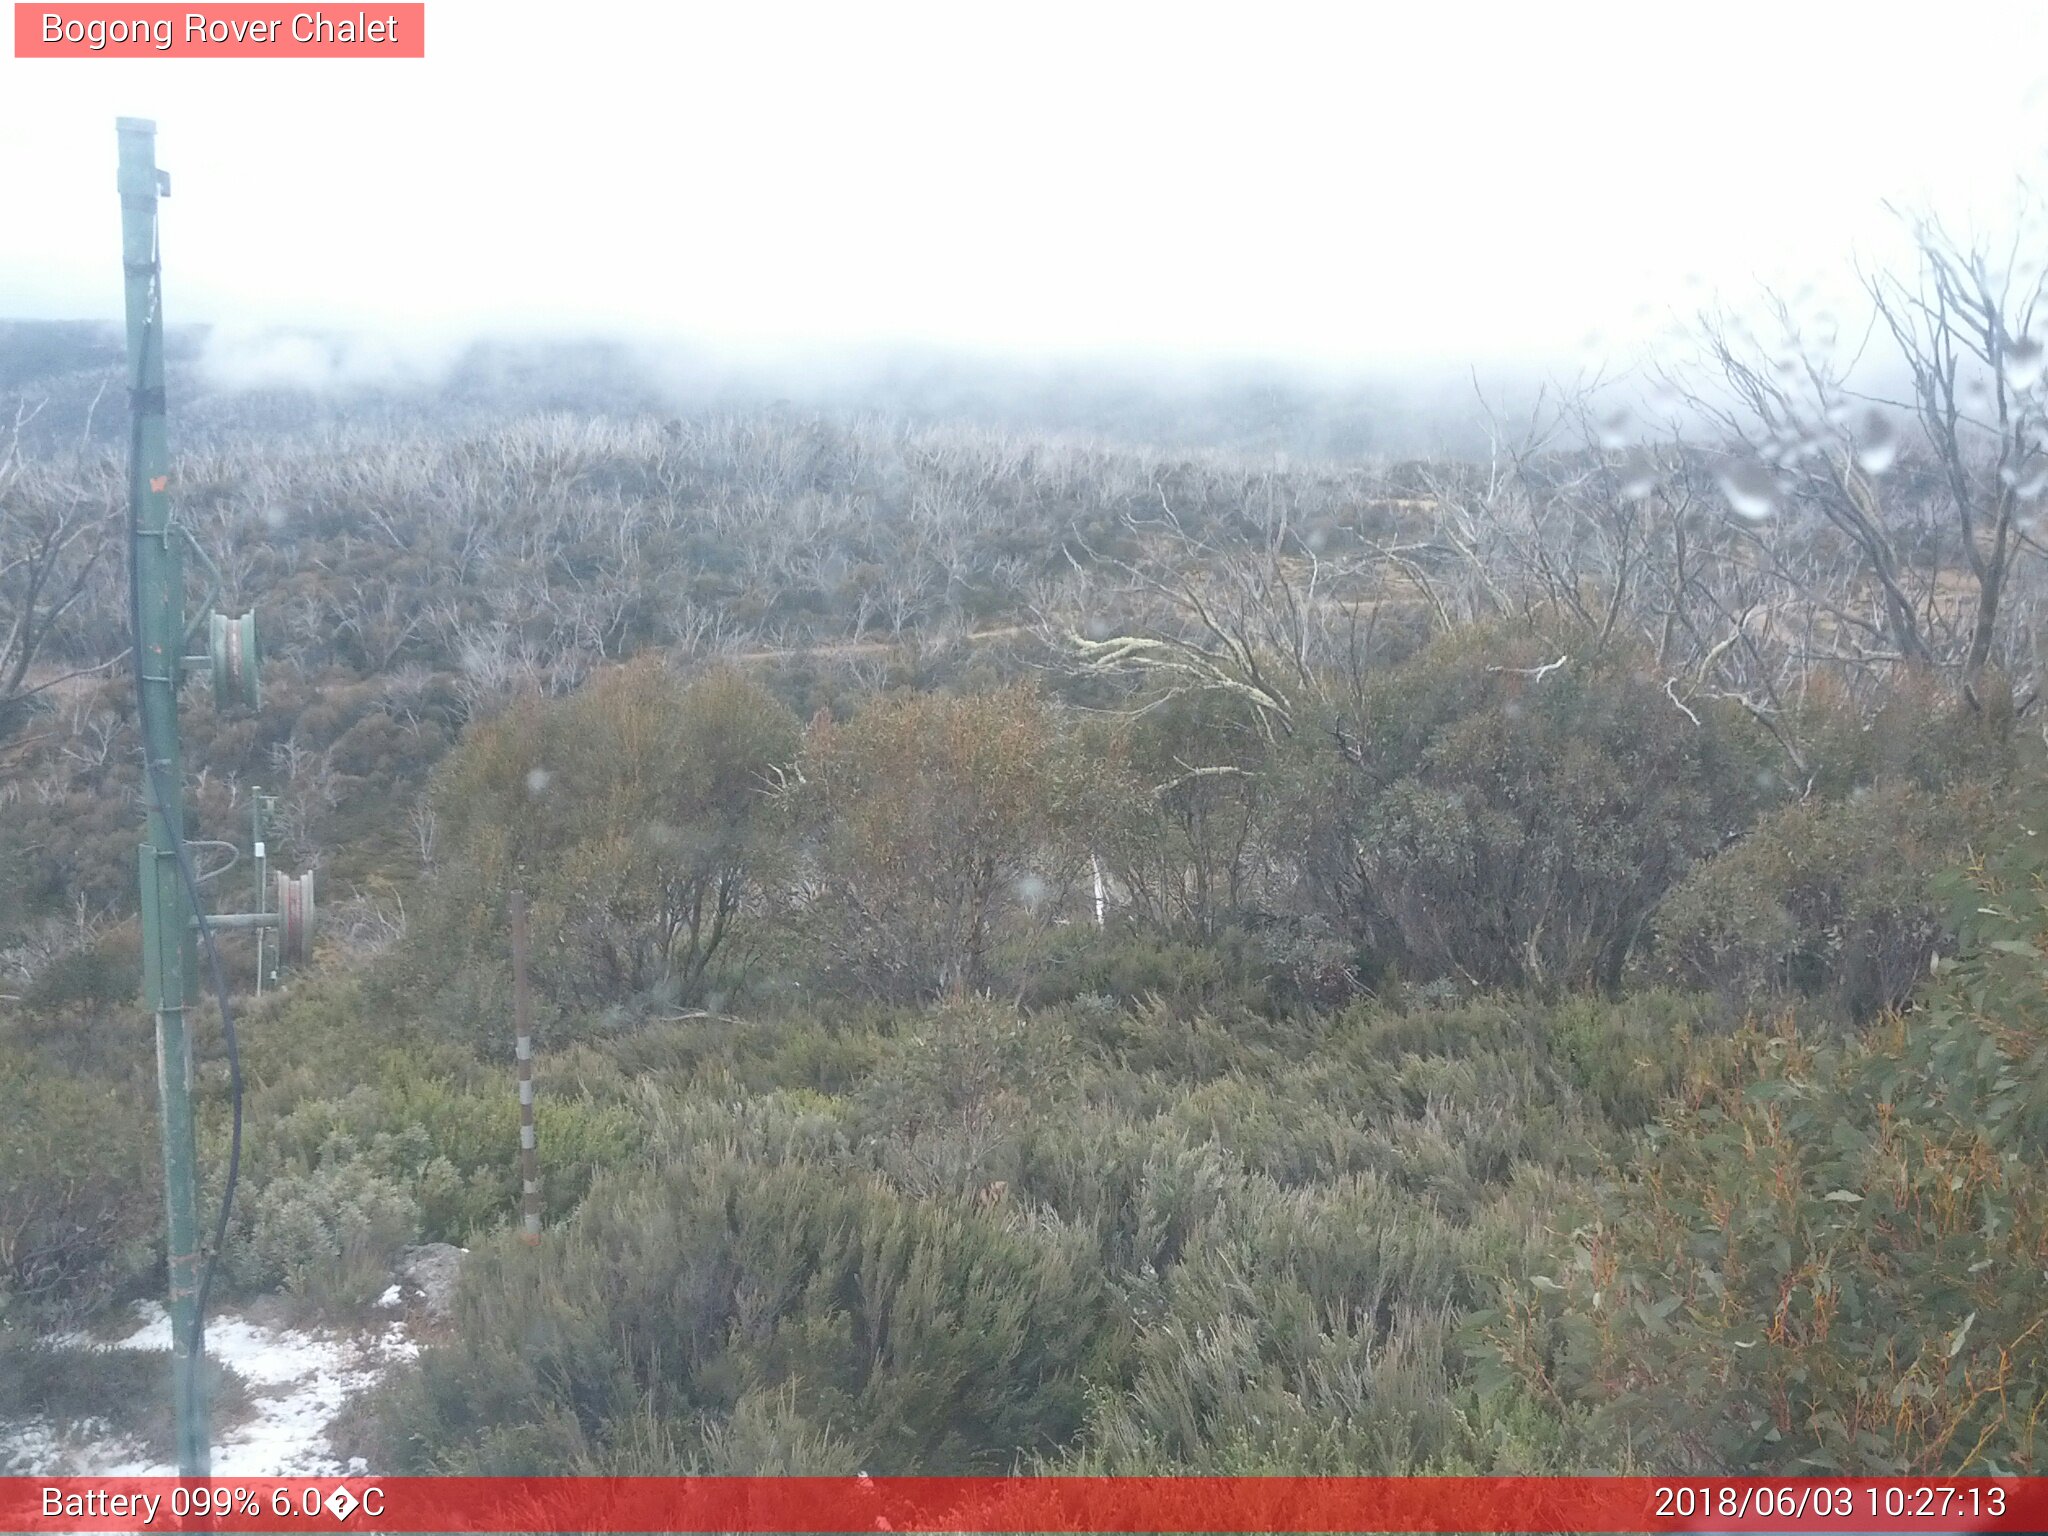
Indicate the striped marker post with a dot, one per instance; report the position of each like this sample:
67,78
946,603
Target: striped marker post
522,1014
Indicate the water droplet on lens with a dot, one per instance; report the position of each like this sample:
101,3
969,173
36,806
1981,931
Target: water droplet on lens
1638,475
2023,363
537,782
1786,447
1749,489
1614,427
1877,444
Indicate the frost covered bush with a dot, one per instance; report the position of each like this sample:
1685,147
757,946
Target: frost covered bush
328,1236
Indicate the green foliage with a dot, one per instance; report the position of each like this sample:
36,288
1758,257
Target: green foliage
636,813
328,1236
1305,1333
452,1156
1833,1261
361,1137
1264,967
1188,817
80,1192
948,1106
1628,1054
922,1334
1826,900
14,878
1256,1236
934,822
106,973
1127,962
1916,731
1517,828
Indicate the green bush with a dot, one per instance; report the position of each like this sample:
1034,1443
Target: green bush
452,1151
1125,963
1916,731
1514,829
945,1109
940,831
1831,901
1832,1260
1270,966
924,1336
637,815
828,1051
104,974
1629,1054
786,1126
328,1237
1187,814
80,1192
362,1133
1308,1331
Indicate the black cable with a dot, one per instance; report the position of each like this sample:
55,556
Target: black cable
157,787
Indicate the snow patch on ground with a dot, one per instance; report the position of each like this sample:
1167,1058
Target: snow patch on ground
298,1379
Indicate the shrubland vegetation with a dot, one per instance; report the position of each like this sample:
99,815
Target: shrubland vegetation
1052,956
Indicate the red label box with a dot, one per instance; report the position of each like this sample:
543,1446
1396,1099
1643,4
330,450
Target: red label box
227,31
1728,1506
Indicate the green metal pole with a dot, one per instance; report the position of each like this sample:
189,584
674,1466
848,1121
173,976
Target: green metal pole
259,854
159,660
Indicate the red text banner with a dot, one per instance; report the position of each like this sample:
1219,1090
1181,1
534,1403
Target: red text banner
226,31
1025,1504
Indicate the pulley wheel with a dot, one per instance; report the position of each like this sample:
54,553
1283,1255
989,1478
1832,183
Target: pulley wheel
295,919
236,662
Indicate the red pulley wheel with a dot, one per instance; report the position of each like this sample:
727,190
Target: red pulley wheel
295,919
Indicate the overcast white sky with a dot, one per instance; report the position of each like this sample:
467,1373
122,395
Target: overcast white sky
1358,183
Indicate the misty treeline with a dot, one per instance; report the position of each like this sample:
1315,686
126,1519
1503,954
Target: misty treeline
1062,957
233,383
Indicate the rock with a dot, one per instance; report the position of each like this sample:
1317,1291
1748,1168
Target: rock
432,1270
